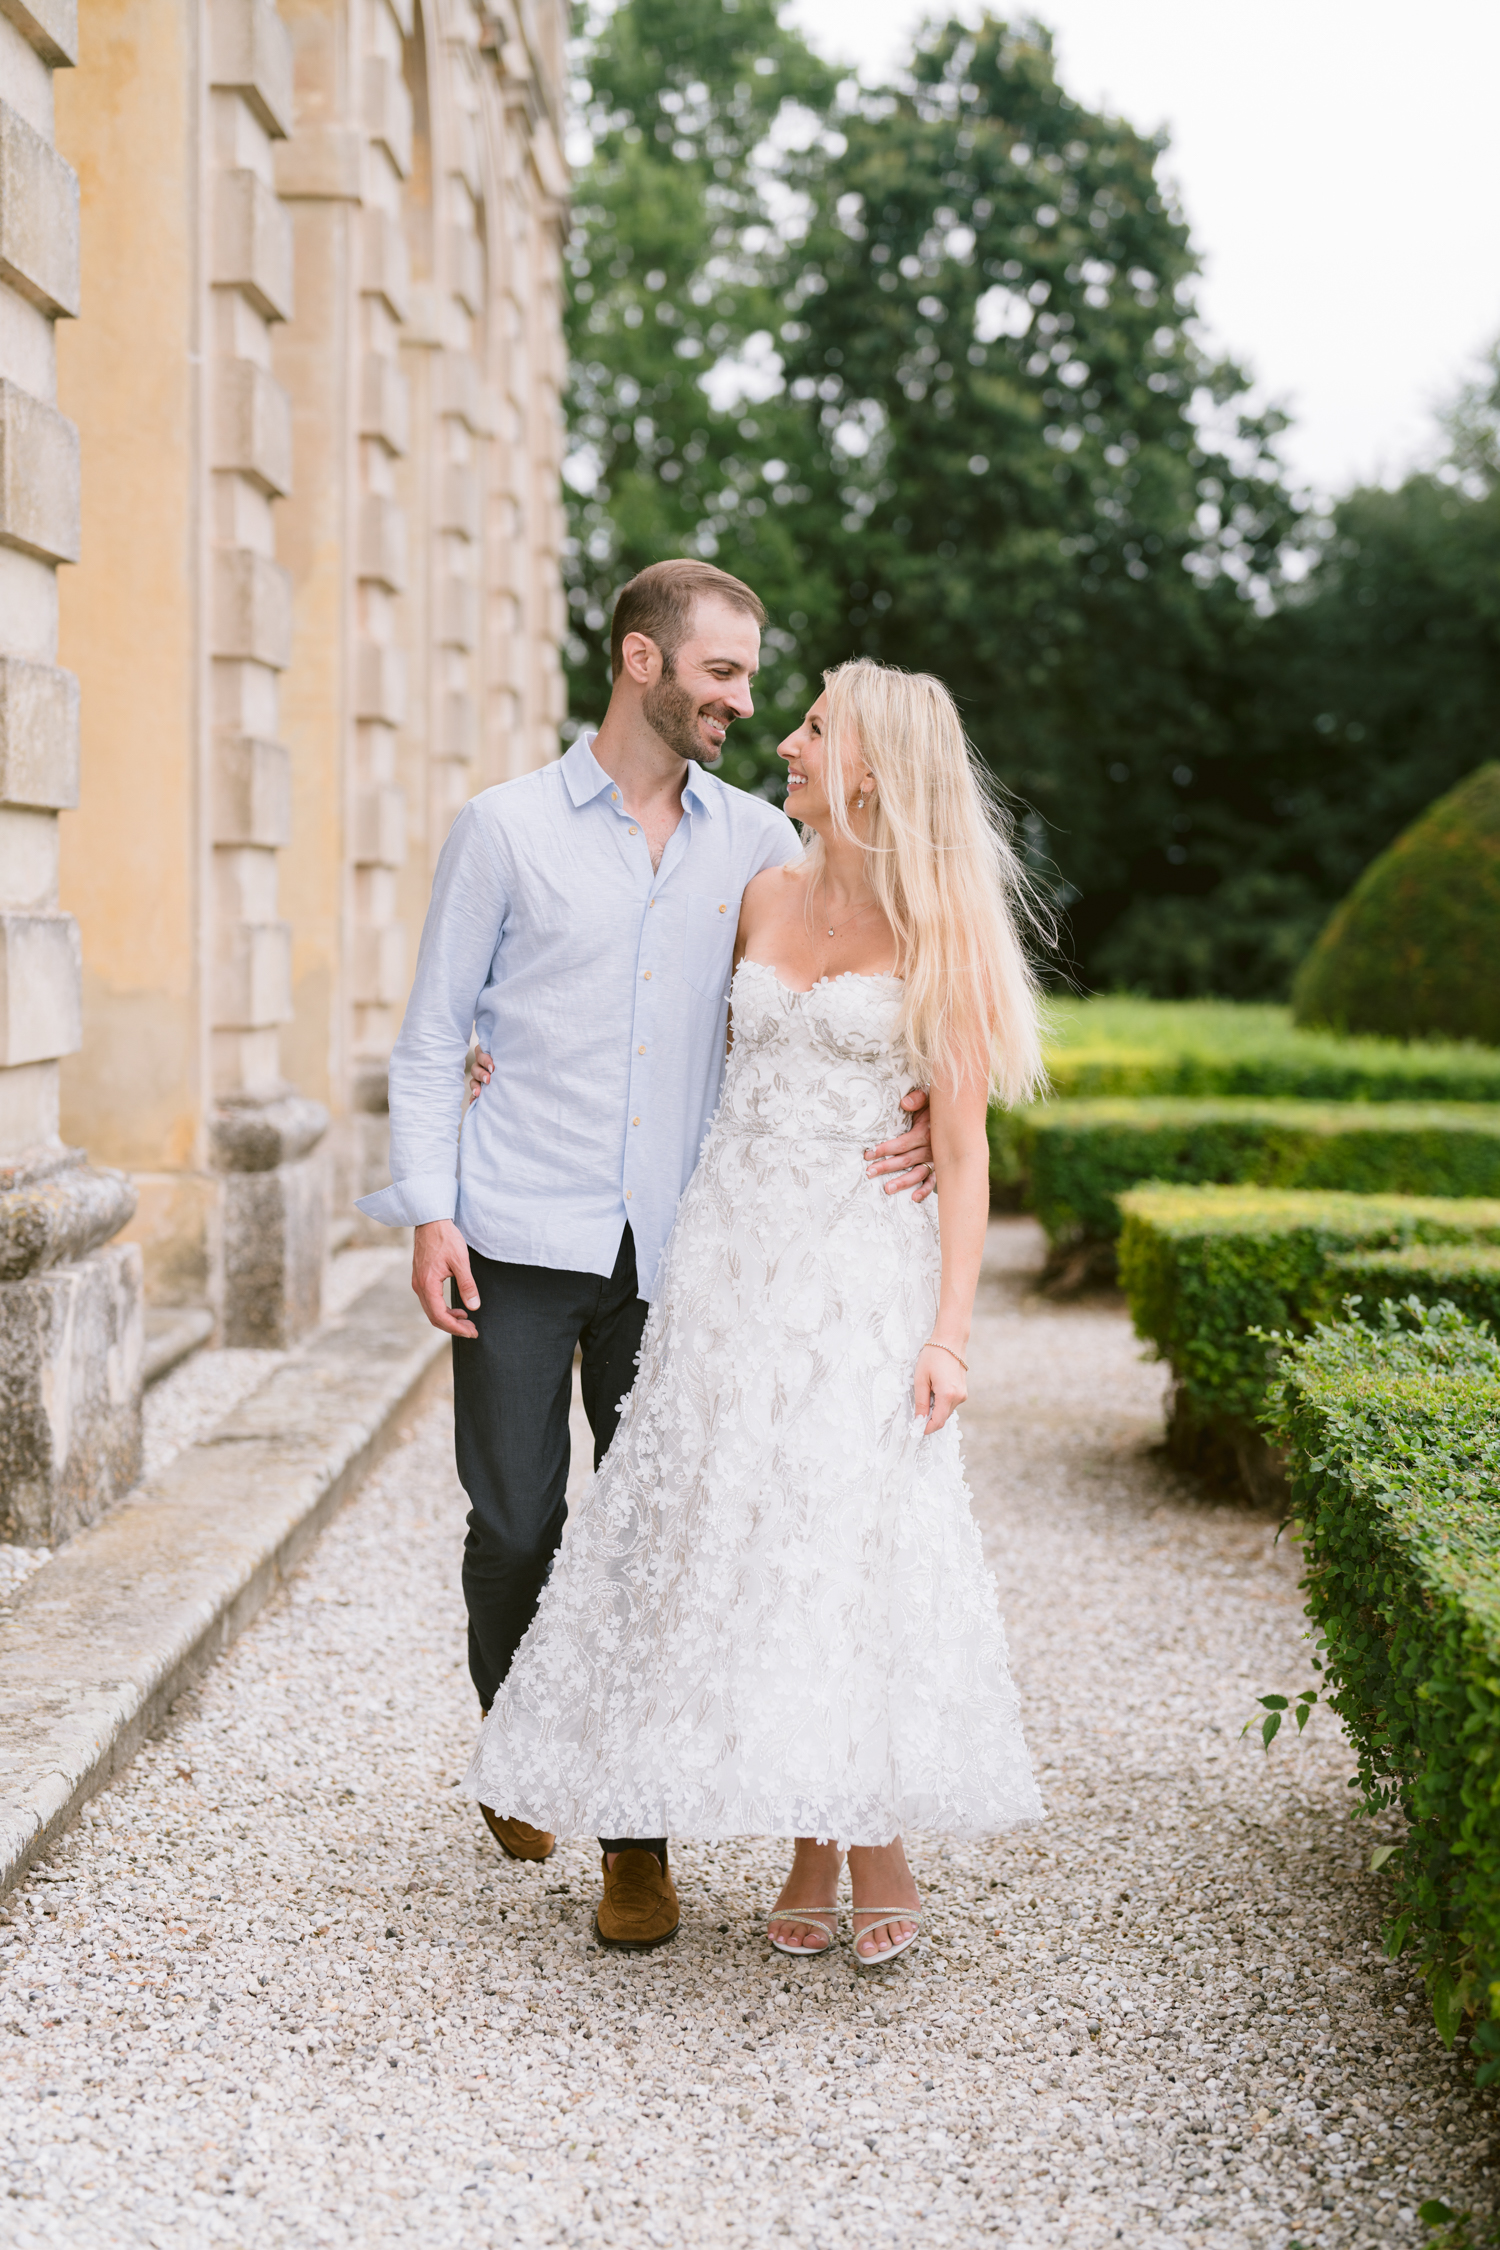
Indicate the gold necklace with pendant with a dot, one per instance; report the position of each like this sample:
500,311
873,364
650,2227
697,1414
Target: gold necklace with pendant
854,917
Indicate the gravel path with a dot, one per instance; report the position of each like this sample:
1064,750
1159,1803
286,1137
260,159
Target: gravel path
279,1989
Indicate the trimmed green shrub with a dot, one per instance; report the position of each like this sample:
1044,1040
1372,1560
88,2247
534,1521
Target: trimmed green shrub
1465,1275
1205,1049
1392,1437
1081,1156
1205,1268
1411,953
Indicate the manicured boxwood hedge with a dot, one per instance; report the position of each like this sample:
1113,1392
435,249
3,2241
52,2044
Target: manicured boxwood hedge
1205,1268
1206,1049
1411,952
1081,1156
1392,1436
1466,1275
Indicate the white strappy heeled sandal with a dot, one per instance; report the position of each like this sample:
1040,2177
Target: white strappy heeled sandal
892,1952
819,1917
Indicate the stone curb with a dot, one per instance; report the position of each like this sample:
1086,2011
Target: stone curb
96,1646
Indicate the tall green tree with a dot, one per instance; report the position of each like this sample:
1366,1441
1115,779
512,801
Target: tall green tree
968,434
1049,495
704,119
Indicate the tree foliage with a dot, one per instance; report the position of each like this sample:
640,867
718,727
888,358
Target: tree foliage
922,366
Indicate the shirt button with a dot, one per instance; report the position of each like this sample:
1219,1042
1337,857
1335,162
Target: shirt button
635,832
635,1121
627,1195
614,796
640,1050
723,909
648,976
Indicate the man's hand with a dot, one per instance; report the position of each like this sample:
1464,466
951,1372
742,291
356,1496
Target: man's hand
438,1251
910,1156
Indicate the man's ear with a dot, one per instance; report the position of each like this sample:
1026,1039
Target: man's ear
640,659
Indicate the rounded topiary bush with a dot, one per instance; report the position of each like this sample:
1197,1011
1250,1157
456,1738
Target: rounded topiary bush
1414,951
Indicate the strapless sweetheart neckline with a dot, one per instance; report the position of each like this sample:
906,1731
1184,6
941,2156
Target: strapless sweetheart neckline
801,991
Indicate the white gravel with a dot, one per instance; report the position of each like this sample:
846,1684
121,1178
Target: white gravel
279,1988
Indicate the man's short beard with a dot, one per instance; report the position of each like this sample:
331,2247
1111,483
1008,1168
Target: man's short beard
670,711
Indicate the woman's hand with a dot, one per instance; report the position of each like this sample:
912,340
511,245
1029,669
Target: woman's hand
939,1387
479,1069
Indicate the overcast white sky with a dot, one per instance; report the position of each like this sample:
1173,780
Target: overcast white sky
1339,163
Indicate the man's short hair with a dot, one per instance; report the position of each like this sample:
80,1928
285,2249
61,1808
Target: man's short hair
659,602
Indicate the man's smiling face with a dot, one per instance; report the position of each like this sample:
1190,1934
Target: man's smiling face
705,686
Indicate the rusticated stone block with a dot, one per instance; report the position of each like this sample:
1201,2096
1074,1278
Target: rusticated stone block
253,1136
458,728
320,164
458,620
466,268
388,111
39,500
275,1236
253,976
51,26
463,498
383,269
71,1341
252,425
465,396
384,403
38,218
252,792
250,54
379,827
382,541
41,972
253,243
380,683
379,964
252,608
38,735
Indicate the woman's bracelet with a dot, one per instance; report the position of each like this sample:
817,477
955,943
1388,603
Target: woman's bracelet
932,1345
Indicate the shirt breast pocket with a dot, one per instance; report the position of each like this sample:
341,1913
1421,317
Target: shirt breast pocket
708,942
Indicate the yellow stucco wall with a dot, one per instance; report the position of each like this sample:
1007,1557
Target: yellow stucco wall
127,122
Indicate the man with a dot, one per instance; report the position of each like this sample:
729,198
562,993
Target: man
583,922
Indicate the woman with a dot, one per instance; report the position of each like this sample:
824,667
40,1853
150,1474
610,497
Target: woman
771,1614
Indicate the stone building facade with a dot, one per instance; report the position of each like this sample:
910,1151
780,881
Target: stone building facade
280,369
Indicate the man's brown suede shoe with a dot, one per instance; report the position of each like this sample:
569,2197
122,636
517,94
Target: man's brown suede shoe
518,1837
638,1911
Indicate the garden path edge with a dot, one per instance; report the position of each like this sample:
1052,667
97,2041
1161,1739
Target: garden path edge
101,1641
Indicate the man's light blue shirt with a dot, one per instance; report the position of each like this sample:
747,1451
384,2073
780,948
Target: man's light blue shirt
600,985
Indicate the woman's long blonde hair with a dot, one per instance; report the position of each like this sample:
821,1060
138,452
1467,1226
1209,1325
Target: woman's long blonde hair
944,872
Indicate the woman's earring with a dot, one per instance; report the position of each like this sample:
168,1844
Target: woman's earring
861,805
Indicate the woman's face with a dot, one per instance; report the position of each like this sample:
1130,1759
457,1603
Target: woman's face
809,768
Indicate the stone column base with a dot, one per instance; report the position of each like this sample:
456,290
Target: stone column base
71,1343
275,1219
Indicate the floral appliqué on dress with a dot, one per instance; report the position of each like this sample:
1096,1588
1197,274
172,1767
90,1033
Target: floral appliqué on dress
770,1614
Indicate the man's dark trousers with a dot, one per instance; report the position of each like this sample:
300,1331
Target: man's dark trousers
512,1388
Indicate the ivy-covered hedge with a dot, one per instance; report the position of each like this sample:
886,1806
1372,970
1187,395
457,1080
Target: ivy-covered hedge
1210,1270
1208,1049
1081,1156
1392,1436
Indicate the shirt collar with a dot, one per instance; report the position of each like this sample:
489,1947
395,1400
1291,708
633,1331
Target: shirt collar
586,778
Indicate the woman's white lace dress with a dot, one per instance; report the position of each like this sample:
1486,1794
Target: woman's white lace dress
770,1614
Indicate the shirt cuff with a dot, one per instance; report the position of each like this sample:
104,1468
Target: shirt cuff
413,1202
